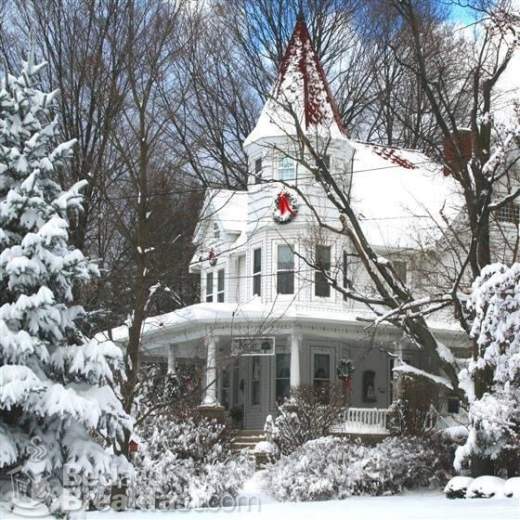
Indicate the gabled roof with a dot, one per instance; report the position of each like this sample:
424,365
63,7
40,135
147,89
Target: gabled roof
228,208
301,87
399,196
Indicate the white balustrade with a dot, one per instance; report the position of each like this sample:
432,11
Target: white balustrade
364,421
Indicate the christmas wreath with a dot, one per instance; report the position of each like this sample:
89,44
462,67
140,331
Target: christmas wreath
285,207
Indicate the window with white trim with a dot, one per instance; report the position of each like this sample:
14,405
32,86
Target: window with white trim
346,282
209,287
258,170
282,376
285,270
257,272
321,284
509,213
286,169
401,269
216,231
220,285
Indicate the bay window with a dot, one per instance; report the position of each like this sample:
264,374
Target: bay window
285,270
321,284
257,272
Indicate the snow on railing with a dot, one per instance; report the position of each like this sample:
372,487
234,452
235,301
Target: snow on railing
364,421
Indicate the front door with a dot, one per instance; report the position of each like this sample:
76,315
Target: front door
257,370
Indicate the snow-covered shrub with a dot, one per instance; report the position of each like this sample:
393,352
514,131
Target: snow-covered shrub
55,384
492,381
457,487
486,487
512,487
305,416
332,467
186,463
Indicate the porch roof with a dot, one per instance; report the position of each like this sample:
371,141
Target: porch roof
253,318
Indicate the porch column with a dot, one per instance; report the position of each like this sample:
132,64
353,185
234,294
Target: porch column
295,361
171,359
210,397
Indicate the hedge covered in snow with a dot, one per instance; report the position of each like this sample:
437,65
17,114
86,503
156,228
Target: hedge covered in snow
185,464
335,468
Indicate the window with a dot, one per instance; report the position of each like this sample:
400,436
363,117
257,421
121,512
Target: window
255,379
220,285
285,270
369,388
286,169
209,287
258,170
257,272
400,269
453,405
508,213
321,285
321,376
216,231
283,376
226,387
346,283
326,162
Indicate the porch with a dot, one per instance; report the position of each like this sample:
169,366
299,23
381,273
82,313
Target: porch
307,349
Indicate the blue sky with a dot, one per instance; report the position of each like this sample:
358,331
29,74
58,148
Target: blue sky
461,14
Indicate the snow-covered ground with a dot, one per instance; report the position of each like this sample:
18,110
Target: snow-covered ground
256,503
417,506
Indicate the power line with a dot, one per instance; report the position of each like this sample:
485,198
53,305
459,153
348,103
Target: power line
205,188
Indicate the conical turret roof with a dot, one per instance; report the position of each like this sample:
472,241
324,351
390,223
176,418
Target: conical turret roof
301,91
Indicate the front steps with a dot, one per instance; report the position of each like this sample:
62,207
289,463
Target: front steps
246,439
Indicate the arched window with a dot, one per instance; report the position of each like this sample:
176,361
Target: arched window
369,386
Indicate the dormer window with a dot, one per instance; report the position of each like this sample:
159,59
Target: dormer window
258,170
216,231
325,162
286,169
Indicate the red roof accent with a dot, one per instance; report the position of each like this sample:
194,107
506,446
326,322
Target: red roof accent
300,52
392,155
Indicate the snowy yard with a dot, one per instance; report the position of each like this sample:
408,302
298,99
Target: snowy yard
256,503
413,506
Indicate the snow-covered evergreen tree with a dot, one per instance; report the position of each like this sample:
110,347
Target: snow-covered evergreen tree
495,415
55,384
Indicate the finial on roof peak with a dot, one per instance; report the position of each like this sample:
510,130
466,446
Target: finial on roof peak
300,17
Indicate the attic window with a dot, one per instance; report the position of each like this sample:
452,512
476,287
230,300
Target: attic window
325,160
286,169
508,213
216,231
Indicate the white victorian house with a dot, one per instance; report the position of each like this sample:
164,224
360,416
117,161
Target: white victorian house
266,321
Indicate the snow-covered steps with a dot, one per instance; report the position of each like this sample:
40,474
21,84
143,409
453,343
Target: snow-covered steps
247,439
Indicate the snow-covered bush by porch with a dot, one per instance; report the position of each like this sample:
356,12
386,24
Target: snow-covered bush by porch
305,416
54,383
494,431
186,464
331,467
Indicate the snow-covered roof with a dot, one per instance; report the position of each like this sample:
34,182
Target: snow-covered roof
228,207
398,194
202,316
301,90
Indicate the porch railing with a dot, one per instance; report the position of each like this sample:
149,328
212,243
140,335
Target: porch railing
364,421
